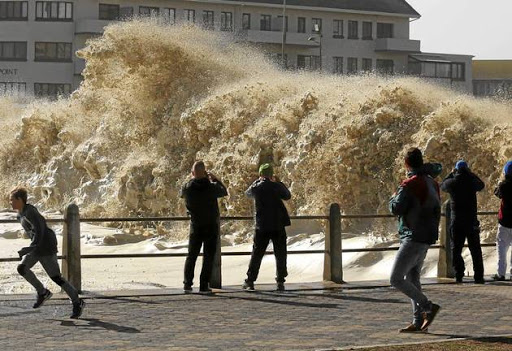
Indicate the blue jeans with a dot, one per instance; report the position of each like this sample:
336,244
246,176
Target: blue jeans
405,276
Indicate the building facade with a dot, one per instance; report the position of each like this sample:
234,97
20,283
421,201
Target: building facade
492,78
38,39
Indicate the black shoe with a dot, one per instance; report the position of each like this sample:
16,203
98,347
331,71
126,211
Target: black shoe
499,278
205,290
248,285
187,288
78,308
46,295
458,280
280,286
428,317
480,281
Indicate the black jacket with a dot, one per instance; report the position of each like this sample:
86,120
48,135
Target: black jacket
462,187
44,241
271,214
504,192
201,200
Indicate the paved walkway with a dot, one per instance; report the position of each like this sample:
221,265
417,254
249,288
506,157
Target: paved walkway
314,317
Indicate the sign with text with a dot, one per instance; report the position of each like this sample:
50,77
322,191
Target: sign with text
8,71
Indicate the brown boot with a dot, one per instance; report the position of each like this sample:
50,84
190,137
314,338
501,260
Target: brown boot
428,317
412,329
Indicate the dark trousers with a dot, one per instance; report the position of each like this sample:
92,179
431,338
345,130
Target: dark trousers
459,233
200,235
261,241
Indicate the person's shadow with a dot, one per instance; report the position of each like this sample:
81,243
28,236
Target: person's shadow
94,323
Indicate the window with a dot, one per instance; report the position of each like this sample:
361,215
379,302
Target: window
279,27
126,12
367,65
338,65
246,21
385,66
54,11
12,88
169,15
384,30
278,59
458,71
337,29
208,20
226,21
353,32
308,62
351,65
301,25
13,51
265,22
51,90
147,11
53,52
190,15
109,12
316,25
13,11
367,31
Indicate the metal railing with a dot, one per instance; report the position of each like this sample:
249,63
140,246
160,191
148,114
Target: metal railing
333,250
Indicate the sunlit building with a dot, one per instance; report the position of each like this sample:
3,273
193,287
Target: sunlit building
38,39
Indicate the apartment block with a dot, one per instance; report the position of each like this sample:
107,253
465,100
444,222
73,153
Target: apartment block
38,39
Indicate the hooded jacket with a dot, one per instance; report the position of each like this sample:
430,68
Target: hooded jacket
504,192
271,213
44,241
201,196
462,187
418,205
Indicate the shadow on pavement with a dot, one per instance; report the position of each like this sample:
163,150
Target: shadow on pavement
490,339
267,299
356,298
93,323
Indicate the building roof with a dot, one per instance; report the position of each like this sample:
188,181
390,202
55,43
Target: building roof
385,6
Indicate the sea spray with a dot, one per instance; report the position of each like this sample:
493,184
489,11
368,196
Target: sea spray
155,98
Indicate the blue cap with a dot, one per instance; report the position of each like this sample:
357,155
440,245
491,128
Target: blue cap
508,168
461,164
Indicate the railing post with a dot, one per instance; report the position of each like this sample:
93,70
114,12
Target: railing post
445,266
216,277
71,265
333,270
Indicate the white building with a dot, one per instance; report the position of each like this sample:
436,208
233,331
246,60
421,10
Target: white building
38,38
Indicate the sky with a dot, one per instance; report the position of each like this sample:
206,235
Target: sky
472,27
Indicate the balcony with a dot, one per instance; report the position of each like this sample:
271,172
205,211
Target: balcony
275,37
395,44
90,26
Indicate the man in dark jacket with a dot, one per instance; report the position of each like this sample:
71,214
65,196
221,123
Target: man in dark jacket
504,237
462,185
201,194
42,249
271,219
417,204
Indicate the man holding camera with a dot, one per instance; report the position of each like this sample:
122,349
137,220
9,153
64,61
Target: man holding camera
201,194
462,185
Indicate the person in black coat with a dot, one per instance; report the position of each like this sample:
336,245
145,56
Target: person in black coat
504,238
201,194
462,185
271,218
